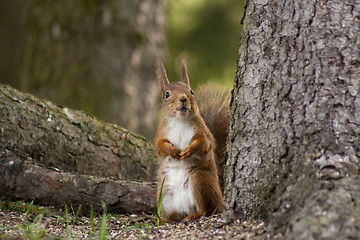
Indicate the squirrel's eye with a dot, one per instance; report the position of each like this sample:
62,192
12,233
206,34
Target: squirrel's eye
191,91
167,95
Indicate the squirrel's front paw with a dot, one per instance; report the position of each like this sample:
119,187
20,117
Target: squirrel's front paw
186,153
175,153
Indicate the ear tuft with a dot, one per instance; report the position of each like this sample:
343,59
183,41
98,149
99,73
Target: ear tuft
185,77
162,78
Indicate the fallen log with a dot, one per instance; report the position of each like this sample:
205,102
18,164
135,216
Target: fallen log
27,180
55,155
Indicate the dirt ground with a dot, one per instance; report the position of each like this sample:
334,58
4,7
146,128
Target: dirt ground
51,223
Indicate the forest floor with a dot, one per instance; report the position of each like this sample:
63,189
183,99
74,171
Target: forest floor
51,223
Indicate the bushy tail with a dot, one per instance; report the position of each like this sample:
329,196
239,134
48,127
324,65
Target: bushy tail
213,101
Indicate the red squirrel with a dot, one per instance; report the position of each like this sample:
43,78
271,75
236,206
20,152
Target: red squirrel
186,150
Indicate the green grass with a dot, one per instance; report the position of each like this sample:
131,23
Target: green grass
150,224
30,228
91,223
103,228
158,210
33,225
20,206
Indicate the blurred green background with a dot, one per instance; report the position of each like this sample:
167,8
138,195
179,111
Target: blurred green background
100,56
207,34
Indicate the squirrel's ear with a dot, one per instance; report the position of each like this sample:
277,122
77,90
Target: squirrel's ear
162,77
185,77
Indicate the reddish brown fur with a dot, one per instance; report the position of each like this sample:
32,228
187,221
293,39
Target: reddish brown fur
204,173
214,108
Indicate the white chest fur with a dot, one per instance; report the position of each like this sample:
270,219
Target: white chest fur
180,132
178,196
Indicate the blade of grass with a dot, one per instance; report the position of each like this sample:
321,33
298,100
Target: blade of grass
158,210
38,218
66,216
77,214
28,211
103,230
91,222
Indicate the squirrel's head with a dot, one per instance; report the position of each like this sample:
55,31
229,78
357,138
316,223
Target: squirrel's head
178,99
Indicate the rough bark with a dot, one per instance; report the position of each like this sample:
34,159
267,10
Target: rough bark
54,154
97,56
48,186
293,145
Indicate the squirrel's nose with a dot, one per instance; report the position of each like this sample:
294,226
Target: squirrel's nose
182,99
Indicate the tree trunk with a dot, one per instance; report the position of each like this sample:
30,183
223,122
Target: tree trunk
293,145
55,155
97,56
